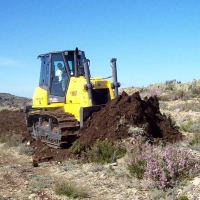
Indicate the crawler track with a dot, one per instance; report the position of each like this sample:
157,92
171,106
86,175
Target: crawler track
56,129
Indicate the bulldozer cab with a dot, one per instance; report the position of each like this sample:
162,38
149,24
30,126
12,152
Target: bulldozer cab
56,70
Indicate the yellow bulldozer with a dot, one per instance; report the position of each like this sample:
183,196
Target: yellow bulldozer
66,96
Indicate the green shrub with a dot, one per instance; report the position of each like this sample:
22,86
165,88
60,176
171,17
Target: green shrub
195,139
10,140
137,169
106,152
76,148
194,87
183,198
69,189
179,94
4,139
185,126
170,85
191,126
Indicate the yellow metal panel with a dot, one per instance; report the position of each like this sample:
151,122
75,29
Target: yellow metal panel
112,96
101,83
40,97
73,109
40,100
76,93
73,92
98,84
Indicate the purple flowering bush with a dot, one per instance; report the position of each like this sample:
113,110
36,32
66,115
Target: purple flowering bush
162,167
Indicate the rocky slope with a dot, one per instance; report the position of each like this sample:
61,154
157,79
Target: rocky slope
11,101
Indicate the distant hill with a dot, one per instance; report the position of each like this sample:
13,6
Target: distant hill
11,101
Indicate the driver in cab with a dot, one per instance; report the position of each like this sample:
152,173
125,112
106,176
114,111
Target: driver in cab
61,74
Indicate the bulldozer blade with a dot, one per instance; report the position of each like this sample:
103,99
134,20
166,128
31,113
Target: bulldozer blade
85,112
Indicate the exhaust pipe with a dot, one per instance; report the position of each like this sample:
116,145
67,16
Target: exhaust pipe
115,85
75,62
88,86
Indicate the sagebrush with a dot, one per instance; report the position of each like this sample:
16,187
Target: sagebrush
162,166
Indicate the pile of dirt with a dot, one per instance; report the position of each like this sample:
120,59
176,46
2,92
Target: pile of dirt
120,116
12,123
114,121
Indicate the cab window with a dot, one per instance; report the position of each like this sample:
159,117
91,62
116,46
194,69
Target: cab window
44,73
70,61
59,77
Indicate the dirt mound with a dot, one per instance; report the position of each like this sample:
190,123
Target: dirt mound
119,117
12,122
115,121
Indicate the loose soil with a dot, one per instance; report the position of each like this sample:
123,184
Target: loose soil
125,112
114,121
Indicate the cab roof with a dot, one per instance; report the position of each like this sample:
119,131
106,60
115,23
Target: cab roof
64,51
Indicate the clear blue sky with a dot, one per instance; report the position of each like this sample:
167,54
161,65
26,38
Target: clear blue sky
153,40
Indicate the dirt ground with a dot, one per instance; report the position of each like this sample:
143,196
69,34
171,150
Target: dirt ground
114,122
12,124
